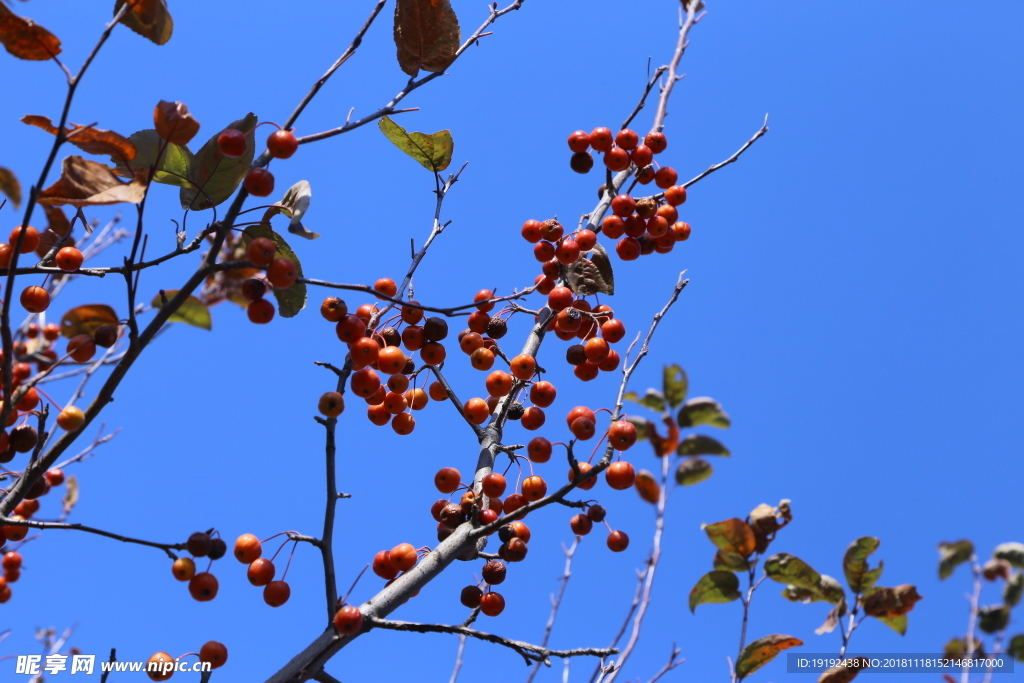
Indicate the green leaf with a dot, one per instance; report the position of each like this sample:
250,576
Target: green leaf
703,411
1013,589
952,555
715,587
1016,647
193,312
1011,552
855,564
733,535
762,651
214,177
174,163
698,444
993,619
293,299
433,152
790,569
10,186
653,399
731,562
294,205
957,647
149,18
693,471
675,385
898,624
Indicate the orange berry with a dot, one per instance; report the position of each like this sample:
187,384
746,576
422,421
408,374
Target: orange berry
213,652
248,548
203,586
276,593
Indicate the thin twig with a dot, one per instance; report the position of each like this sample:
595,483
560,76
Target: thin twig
556,601
34,524
529,652
746,145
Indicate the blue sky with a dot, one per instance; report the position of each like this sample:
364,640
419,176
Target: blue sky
854,303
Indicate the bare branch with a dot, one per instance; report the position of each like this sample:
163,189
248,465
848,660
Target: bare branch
556,601
761,131
34,524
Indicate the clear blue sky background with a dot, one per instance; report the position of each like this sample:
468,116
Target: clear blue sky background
854,303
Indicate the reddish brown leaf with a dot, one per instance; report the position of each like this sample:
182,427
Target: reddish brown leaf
57,219
762,651
10,186
427,35
174,122
647,486
148,18
86,319
87,183
87,139
24,39
671,442
733,535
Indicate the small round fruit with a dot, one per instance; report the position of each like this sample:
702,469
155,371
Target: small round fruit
160,666
601,139
385,286
403,557
533,418
213,652
581,525
583,428
596,513
470,596
69,259
203,586
348,620
682,231
657,142
261,572
539,449
447,480
403,424
622,435
618,541
642,156
476,409
586,483
282,144
71,419
35,299
232,143
261,252
333,309
218,548
666,177
675,195
579,141
581,162
184,568
628,249
523,366
493,485
23,438
12,561
492,604
616,159
276,593
534,488
282,273
198,544
105,336
247,549
494,572
29,242
260,311
331,404
259,182
620,475
382,566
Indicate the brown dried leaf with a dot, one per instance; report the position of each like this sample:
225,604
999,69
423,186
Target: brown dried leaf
149,18
587,277
87,183
10,186
762,651
57,220
174,122
88,139
71,493
647,486
86,319
24,39
427,35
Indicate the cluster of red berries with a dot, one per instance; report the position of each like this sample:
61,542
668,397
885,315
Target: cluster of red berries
379,351
261,572
35,299
281,273
202,586
11,562
213,652
646,225
259,182
620,150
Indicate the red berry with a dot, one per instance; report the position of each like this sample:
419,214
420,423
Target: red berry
539,449
470,597
35,299
616,159
642,156
675,195
666,177
69,259
581,162
620,475
213,652
581,525
276,593
259,182
203,587
493,485
623,205
579,141
261,572
682,231
492,604
613,227
232,143
586,239
601,139
628,249
618,541
348,620
622,434
282,273
627,139
657,142
261,251
282,144
531,231
447,480
260,311
248,549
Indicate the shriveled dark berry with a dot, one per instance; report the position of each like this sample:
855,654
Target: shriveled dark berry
105,336
199,544
576,354
515,411
217,548
391,336
596,513
496,328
